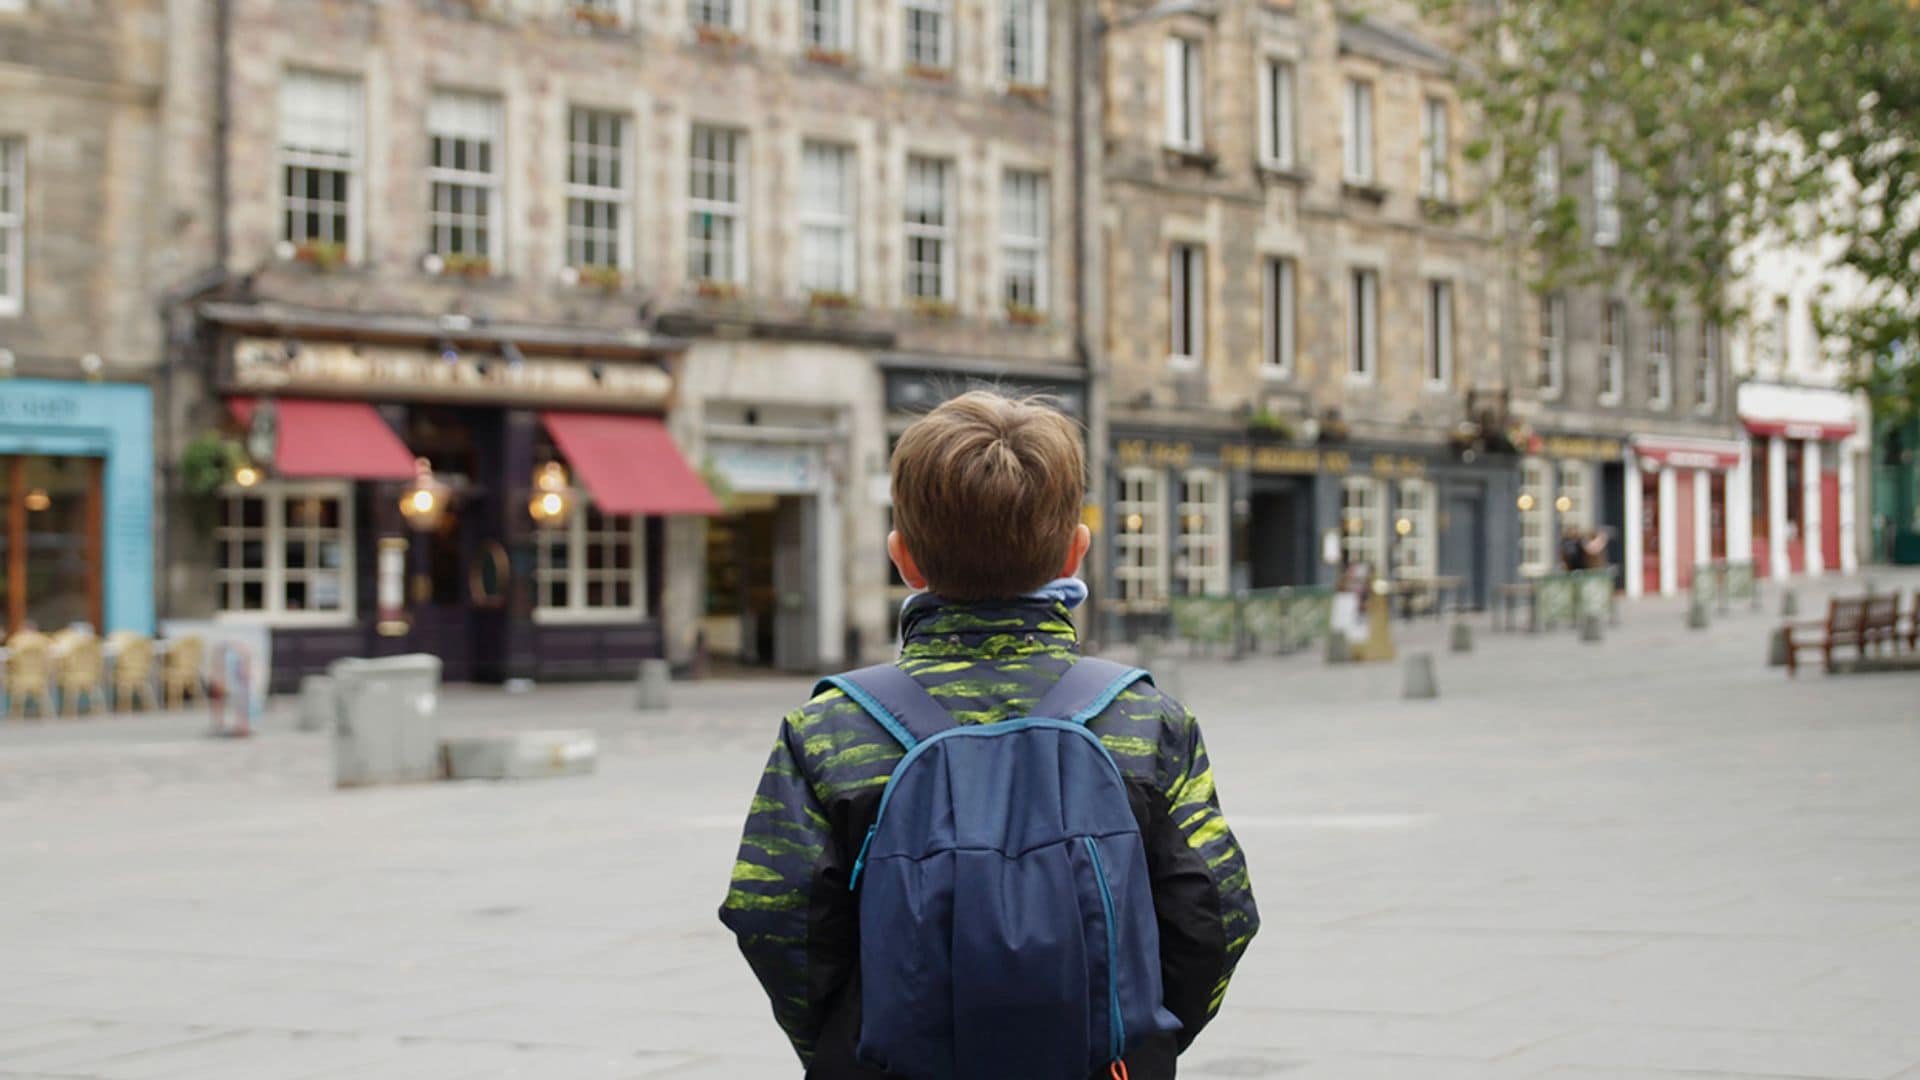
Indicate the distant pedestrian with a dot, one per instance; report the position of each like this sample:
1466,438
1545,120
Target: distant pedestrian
1573,550
1053,897
1596,549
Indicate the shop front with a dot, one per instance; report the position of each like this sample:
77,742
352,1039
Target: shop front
1571,483
1677,490
76,465
1197,515
1803,445
495,498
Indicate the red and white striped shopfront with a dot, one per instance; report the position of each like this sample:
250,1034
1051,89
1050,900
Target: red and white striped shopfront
1680,498
1802,446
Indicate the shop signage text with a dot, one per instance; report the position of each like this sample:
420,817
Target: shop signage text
1268,459
1583,447
373,371
52,409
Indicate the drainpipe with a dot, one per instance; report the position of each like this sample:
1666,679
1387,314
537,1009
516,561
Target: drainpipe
222,127
1085,66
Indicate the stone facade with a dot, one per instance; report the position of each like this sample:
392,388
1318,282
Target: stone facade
1243,200
766,369
81,99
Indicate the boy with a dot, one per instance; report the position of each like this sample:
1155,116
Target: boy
987,494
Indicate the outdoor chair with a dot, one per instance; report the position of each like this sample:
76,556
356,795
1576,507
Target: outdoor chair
80,672
132,669
29,673
181,675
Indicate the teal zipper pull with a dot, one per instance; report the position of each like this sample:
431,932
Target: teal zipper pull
860,862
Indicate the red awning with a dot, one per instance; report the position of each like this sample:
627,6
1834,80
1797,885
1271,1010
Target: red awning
332,439
629,464
1801,429
1688,453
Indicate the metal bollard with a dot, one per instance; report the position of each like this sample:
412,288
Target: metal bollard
1590,629
1777,648
1420,683
1696,615
1789,603
1462,638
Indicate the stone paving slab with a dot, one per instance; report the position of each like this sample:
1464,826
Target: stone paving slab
1649,858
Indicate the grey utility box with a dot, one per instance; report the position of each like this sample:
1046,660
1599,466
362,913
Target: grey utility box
387,725
520,755
318,706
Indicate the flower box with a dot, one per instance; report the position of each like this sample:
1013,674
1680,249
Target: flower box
721,36
830,300
601,277
930,74
321,254
709,289
929,308
1025,315
829,57
597,18
466,266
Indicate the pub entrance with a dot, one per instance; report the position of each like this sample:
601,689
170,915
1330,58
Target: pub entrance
1280,532
50,552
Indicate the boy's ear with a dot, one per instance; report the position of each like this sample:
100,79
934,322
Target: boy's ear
1077,550
903,561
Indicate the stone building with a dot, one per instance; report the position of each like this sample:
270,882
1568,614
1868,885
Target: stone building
746,237
83,259
1628,407
1302,323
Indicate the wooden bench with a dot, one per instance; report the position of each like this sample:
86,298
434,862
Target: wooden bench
1862,622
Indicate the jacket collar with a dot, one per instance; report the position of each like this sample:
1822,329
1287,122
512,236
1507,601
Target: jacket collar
1023,626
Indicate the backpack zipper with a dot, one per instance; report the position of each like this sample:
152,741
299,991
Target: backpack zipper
1116,1028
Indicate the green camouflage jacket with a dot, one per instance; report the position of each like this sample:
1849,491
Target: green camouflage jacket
789,903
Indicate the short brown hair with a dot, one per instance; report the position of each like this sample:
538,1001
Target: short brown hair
986,493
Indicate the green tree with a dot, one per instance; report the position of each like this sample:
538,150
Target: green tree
1728,121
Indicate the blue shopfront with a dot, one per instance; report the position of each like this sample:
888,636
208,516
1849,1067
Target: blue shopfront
76,467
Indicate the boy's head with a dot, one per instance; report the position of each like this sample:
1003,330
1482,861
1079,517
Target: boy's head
986,498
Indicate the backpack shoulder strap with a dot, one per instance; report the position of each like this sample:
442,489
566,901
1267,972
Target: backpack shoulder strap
1087,688
895,700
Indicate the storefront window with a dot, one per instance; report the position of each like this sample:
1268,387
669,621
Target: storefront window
1536,541
1414,540
1201,561
593,566
286,551
50,551
1573,503
1360,521
1140,568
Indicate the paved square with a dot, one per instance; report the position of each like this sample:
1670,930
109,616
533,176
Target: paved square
1652,857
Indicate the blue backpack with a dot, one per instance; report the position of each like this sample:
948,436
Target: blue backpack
1006,918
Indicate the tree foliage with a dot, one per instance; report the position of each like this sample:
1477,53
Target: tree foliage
1730,122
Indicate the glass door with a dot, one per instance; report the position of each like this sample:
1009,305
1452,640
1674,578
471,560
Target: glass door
53,562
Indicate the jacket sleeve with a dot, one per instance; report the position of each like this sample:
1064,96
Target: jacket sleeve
770,905
1202,896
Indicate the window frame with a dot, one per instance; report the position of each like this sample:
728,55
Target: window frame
1366,543
734,212
1421,539
13,223
1572,481
1279,113
1437,356
1606,198
1553,344
813,216
1279,311
736,12
1613,349
1033,15
1358,164
1436,166
943,232
1034,244
1781,329
1660,366
1706,377
1209,539
1537,540
621,10
943,30
1363,324
491,183
351,162
1185,105
844,15
578,576
1186,304
618,197
1140,571
273,575
1546,178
